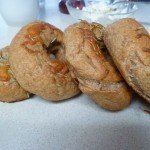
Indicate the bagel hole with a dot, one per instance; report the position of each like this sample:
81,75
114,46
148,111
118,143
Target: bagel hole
54,50
52,56
54,47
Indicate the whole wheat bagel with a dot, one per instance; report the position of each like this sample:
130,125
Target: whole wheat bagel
91,65
128,43
33,67
10,90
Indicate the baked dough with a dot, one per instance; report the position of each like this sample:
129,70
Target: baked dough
128,43
90,63
10,90
33,67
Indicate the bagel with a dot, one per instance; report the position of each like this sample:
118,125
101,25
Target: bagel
90,63
129,45
10,90
33,67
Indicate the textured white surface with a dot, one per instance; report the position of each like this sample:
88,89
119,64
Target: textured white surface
75,124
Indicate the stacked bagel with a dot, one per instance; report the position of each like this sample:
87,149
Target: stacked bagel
103,63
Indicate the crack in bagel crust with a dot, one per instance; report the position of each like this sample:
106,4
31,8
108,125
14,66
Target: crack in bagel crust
132,74
146,49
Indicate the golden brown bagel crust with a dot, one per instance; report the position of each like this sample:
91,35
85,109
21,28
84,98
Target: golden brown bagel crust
32,66
10,90
129,45
94,70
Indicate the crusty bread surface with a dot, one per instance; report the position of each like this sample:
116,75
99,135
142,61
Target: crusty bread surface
90,63
128,43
